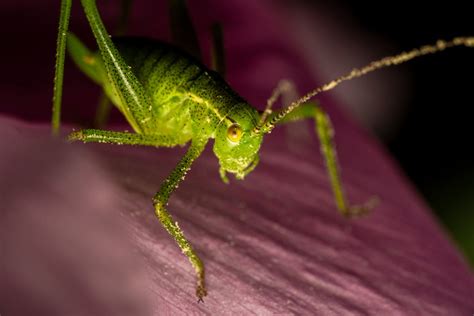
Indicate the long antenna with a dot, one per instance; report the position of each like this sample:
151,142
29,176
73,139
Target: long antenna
359,72
282,87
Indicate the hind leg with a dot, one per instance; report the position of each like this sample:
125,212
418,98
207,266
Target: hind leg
104,105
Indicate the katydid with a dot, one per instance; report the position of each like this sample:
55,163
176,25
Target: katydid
170,98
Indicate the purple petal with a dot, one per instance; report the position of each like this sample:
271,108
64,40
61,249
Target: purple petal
64,247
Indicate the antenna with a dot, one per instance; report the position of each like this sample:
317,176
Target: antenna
283,86
359,72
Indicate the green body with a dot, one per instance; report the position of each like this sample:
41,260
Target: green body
169,98
179,86
187,101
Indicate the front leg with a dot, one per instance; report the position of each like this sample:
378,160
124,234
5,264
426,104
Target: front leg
160,200
122,138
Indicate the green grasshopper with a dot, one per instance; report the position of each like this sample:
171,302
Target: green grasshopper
170,98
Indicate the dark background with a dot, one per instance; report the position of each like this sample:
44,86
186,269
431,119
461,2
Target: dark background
433,141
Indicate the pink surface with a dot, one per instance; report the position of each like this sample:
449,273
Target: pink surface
78,233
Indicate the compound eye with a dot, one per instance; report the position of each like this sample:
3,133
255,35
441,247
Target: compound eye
234,133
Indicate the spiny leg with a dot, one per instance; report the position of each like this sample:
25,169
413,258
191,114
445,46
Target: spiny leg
121,138
325,134
182,30
135,103
218,53
160,200
59,69
104,105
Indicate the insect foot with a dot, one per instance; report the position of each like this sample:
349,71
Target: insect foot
201,292
75,136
